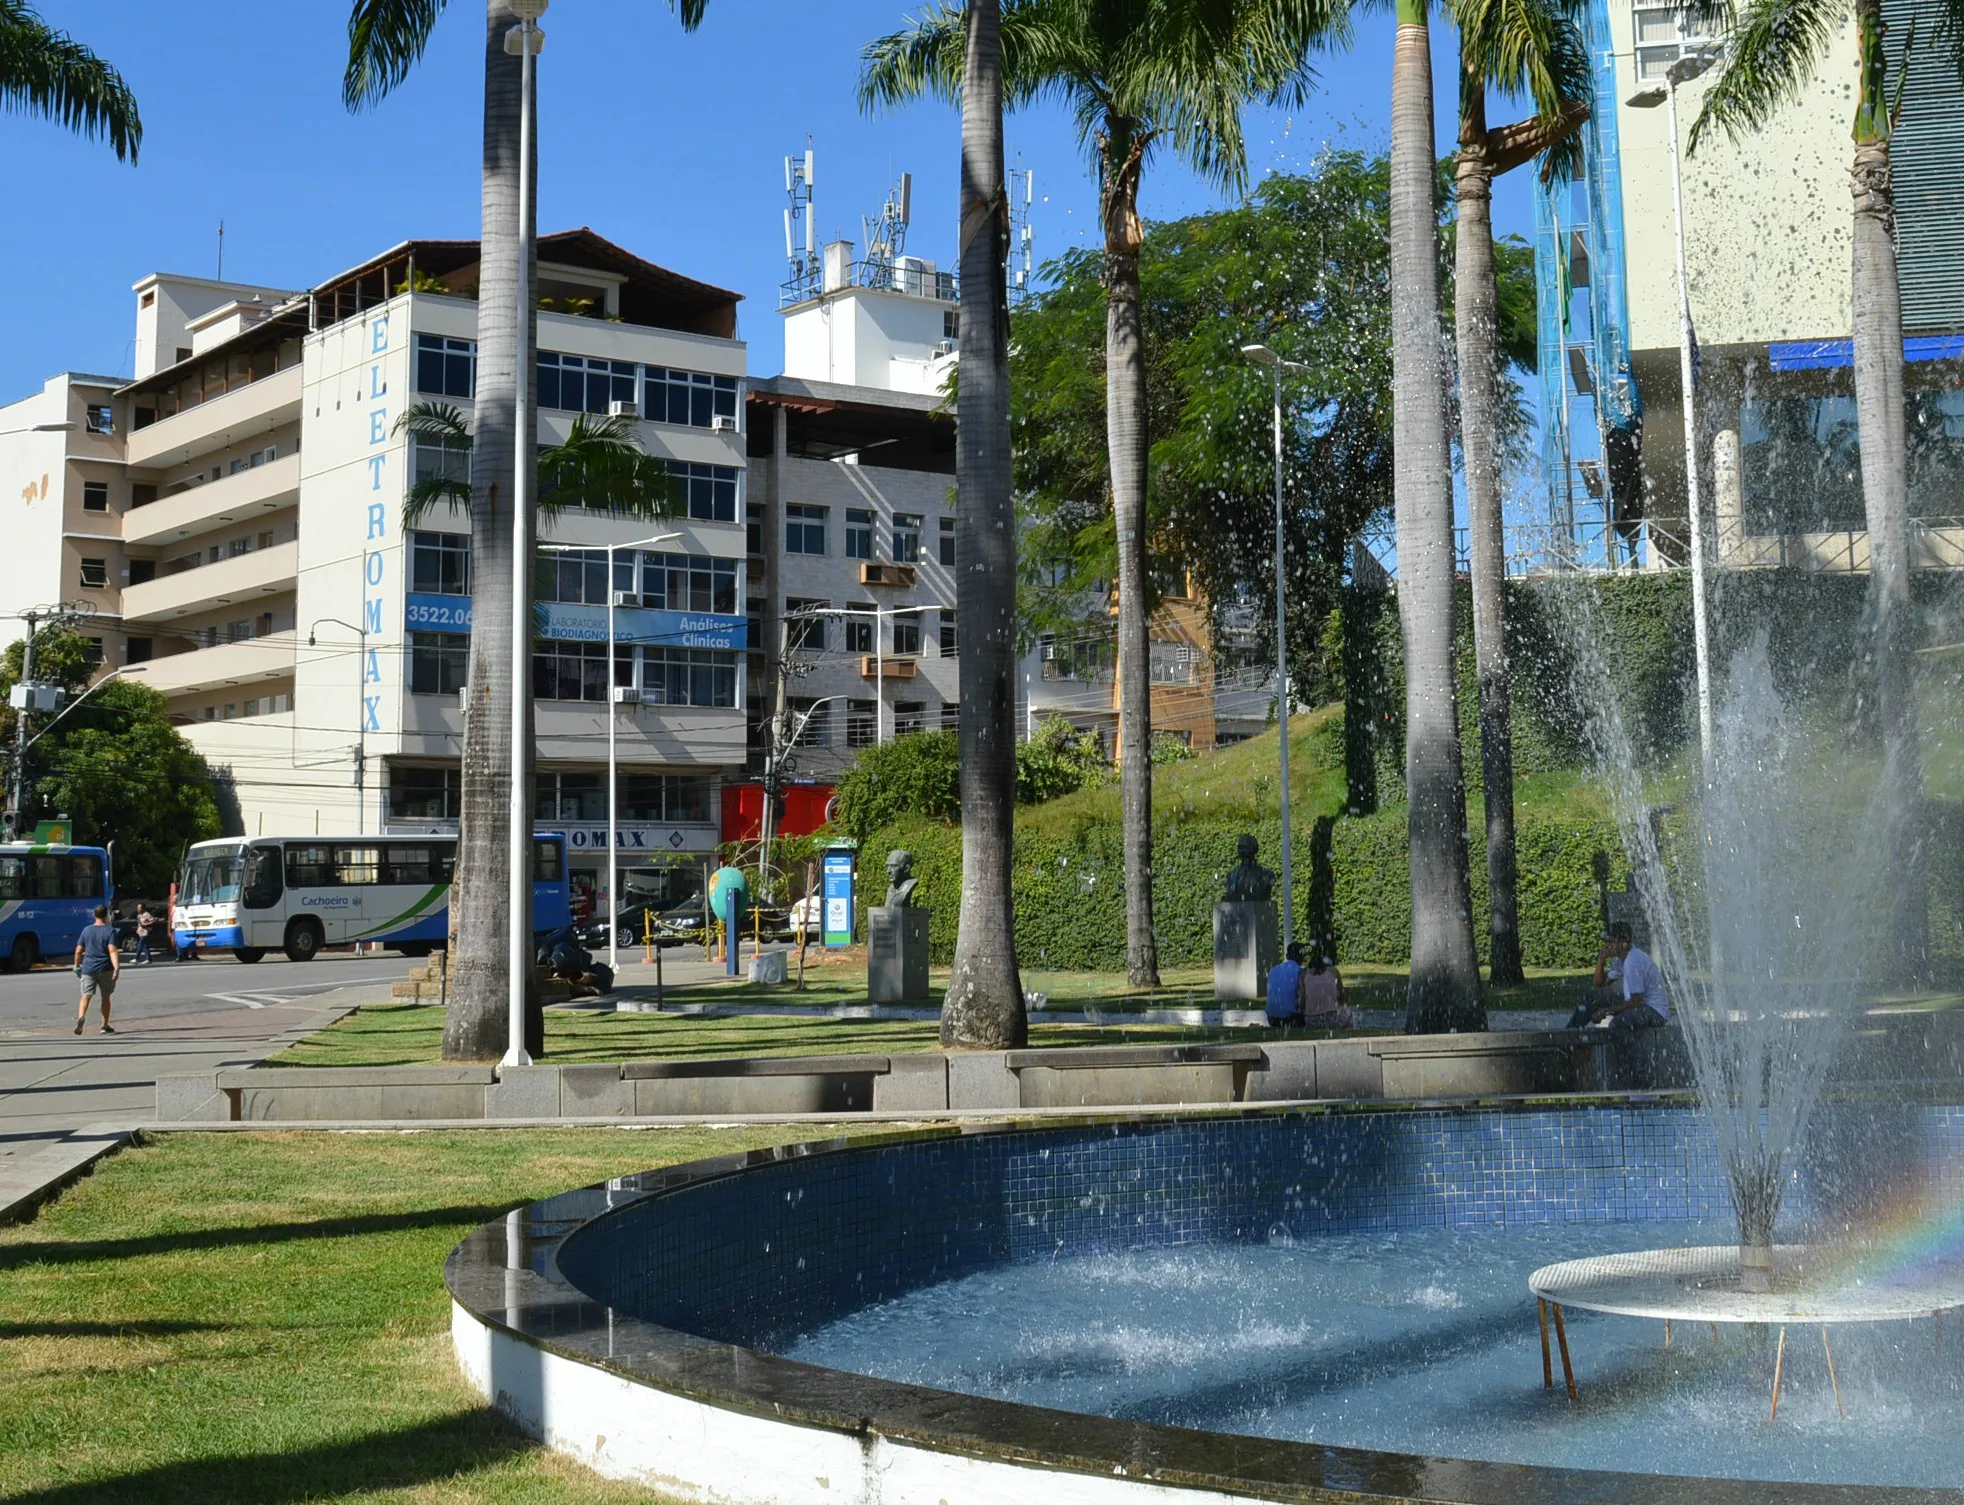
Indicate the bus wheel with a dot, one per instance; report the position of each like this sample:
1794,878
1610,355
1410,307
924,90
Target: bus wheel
26,952
303,940
249,954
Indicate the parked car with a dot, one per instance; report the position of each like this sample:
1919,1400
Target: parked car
673,922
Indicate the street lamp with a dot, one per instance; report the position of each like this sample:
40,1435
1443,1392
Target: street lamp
27,744
613,772
1261,355
63,427
361,718
524,40
1683,71
879,614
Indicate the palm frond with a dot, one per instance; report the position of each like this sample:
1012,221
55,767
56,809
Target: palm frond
386,39
442,424
428,492
1770,58
601,466
1950,33
435,420
47,73
1532,48
925,58
689,12
1042,56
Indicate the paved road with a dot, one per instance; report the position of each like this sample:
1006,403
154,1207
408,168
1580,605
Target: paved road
170,1017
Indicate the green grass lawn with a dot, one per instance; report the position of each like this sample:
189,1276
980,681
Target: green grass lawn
262,1319
400,1035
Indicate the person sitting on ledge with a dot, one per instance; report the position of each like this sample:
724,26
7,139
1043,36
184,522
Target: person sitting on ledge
1325,1003
1646,1001
1285,989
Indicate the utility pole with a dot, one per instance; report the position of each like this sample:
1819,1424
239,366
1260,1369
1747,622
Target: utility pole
17,793
774,750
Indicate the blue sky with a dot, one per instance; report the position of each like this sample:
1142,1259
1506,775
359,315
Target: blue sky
671,144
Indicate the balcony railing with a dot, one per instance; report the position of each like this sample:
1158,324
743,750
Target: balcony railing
239,497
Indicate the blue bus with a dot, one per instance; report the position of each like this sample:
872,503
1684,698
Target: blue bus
299,893
47,895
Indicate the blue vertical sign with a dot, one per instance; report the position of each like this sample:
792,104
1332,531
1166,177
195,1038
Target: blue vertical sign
374,563
838,898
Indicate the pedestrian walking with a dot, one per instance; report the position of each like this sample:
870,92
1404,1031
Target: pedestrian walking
98,963
144,921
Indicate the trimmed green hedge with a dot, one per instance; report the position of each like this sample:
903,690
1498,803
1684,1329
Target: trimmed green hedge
1070,892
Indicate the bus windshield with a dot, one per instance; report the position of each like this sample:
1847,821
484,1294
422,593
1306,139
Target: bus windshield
212,875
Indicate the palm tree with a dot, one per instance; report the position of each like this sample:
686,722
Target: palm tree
1132,72
1517,46
386,38
600,465
45,72
1444,991
1772,52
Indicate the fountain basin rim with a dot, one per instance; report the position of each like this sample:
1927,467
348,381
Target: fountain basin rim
554,1332
1699,1285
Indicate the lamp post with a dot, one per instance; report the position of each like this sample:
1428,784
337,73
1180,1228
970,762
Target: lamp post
1261,355
26,743
525,40
613,770
879,614
361,718
1683,71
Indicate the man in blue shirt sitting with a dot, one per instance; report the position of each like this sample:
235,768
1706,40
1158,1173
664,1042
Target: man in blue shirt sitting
1285,989
1646,1000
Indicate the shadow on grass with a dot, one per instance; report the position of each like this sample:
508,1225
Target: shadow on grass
106,1329
82,1251
449,1448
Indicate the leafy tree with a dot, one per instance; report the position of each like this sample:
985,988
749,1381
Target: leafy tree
1135,73
1059,759
115,766
1527,47
1771,54
919,774
45,72
386,39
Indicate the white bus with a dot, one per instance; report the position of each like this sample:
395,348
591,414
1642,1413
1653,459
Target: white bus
300,893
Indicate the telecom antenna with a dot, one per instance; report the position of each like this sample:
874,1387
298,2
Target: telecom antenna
886,237
1022,236
800,214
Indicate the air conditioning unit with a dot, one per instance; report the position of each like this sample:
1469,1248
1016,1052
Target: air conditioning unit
626,695
948,347
871,667
627,598
886,574
722,423
622,410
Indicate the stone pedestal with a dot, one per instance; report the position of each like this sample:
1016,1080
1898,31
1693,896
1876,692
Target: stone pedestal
1246,947
896,955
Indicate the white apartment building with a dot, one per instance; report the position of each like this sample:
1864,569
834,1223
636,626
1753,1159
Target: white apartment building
851,514
233,518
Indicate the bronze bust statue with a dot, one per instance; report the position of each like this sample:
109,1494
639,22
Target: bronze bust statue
1248,882
900,879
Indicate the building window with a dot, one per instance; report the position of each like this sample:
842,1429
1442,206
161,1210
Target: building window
1171,663
92,652
240,546
862,722
859,633
440,563
446,367
753,530
440,459
570,796
906,537
99,418
753,623
577,575
142,493
95,574
804,529
948,542
95,496
951,325
688,676
673,799
578,671
425,793
909,716
805,626
691,397
859,533
681,582
709,490
142,571
439,663
1664,33
950,639
906,636
239,631
584,384
139,650
811,721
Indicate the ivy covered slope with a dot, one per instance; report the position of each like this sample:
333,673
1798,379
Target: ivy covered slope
1352,877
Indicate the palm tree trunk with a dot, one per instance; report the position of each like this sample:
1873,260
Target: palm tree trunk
1444,991
1879,410
984,1004
475,1029
1476,322
1125,440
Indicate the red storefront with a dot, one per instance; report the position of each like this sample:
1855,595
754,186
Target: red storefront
804,810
